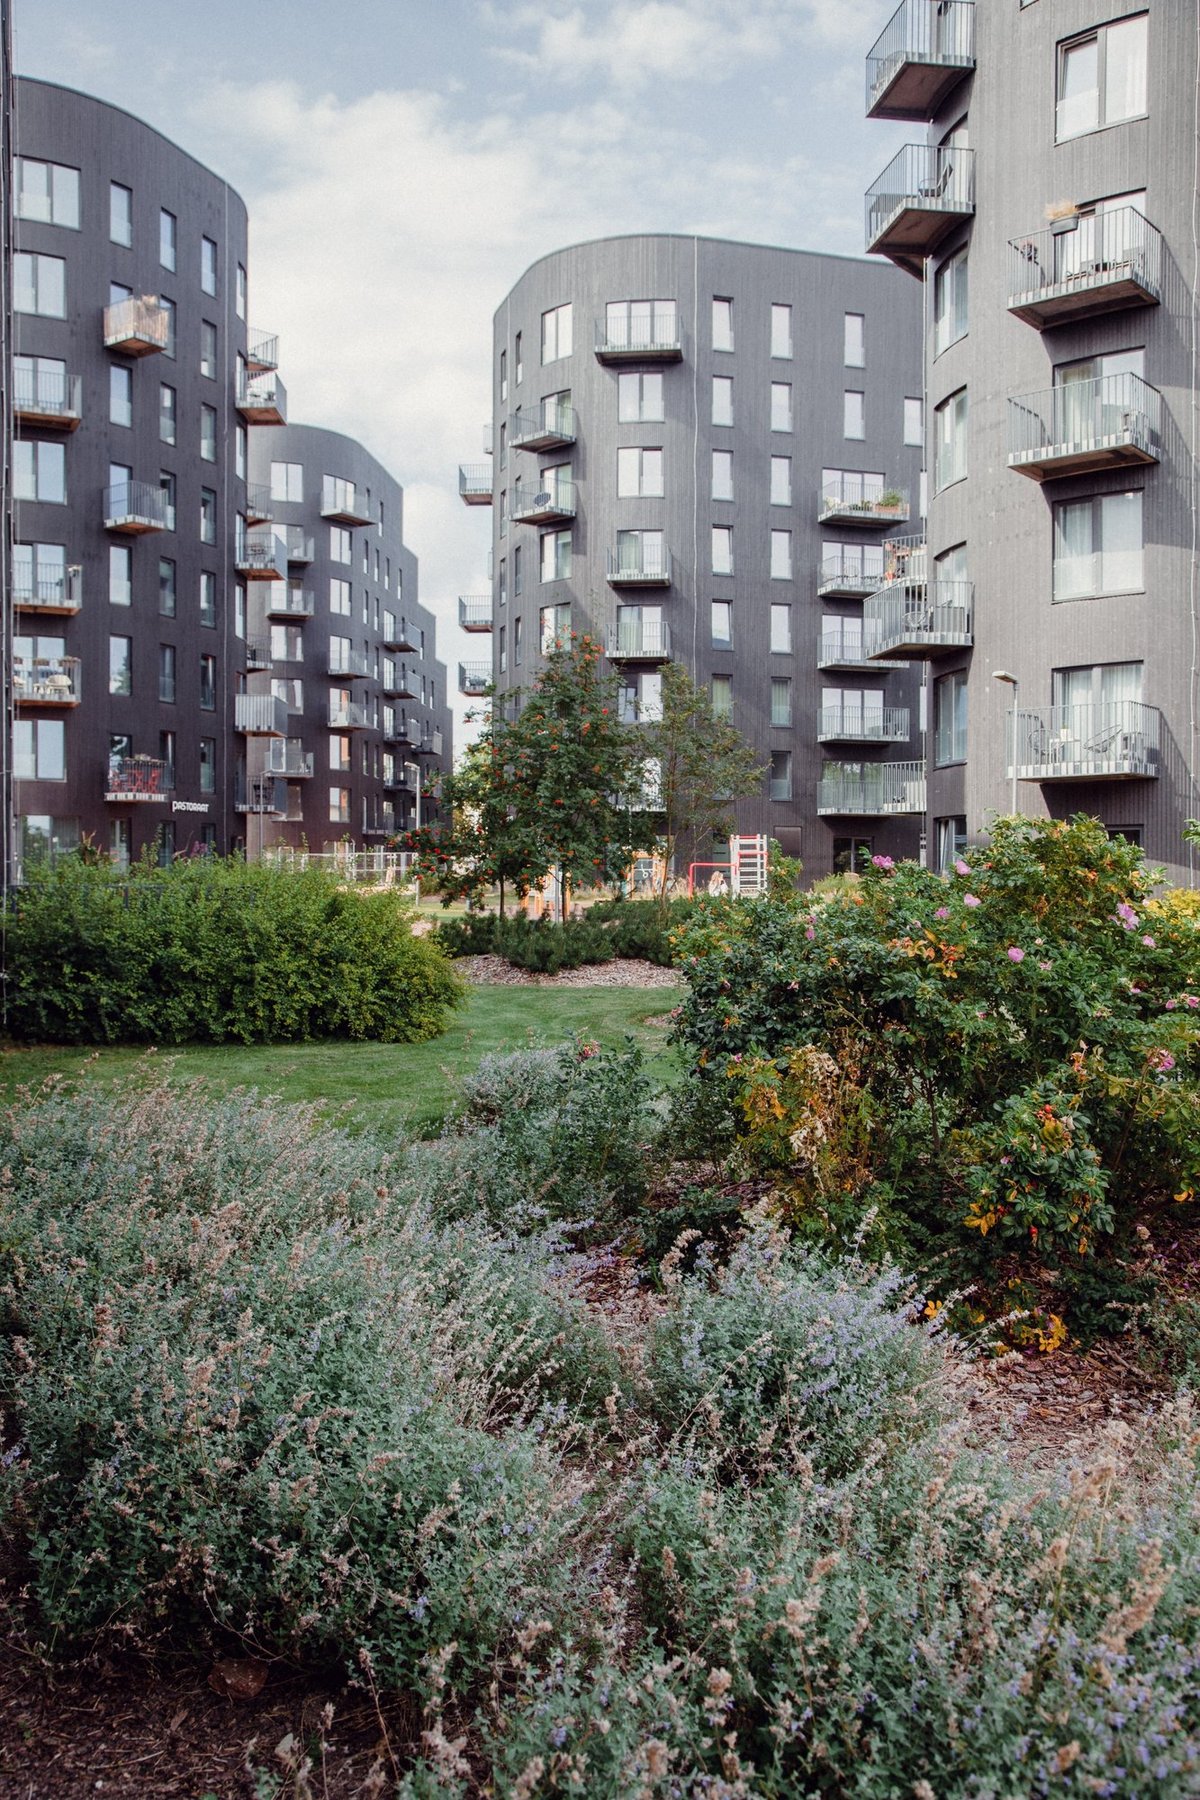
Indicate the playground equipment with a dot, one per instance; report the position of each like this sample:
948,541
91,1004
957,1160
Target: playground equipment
744,873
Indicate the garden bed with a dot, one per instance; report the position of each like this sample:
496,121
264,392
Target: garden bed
622,972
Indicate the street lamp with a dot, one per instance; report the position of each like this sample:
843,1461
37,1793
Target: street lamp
1012,682
414,769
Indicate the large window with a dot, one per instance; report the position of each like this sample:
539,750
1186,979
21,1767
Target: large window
781,481
120,665
166,587
208,433
120,214
168,232
39,750
781,629
208,265
720,688
556,555
120,394
339,597
167,413
950,718
914,422
39,285
208,349
722,474
557,333
208,765
208,598
40,572
641,324
166,674
854,414
950,440
47,192
781,556
722,399
721,617
287,481
208,516
781,406
1098,546
781,330
722,549
40,471
554,627
208,683
1102,77
1097,686
781,700
120,575
854,353
639,473
640,398
950,302
780,787
950,840
722,323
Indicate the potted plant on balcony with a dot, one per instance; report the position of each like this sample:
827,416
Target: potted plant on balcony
891,504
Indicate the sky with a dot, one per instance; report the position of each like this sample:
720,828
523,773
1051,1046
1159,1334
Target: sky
404,161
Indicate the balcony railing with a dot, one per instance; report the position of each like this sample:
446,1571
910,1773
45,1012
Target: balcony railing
639,564
343,505
545,505
260,715
135,507
262,399
858,724
1080,267
137,327
640,640
474,677
475,612
547,426
284,602
46,398
285,757
266,794
262,556
904,563
355,665
919,58
61,593
258,655
1117,740
475,483
855,499
299,545
349,715
400,684
403,731
398,635
851,576
925,621
638,340
841,645
1079,426
260,508
877,790
47,681
262,352
920,197
403,778
138,778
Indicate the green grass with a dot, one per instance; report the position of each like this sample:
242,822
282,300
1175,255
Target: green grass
384,1086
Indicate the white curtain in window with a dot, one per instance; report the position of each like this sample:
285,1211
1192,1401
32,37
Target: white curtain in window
1125,68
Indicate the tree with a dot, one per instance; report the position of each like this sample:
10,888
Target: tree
703,763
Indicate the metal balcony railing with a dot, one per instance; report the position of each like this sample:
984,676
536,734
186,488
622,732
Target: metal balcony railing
260,715
639,563
262,399
260,509
47,680
262,556
60,593
135,507
475,483
266,794
399,635
258,654
47,397
544,505
262,352
138,778
917,200
299,545
284,602
1082,266
841,644
920,621
342,503
861,499
921,55
877,790
904,563
543,426
853,723
285,757
1103,741
137,326
350,715
640,640
354,664
475,612
1080,425
851,570
474,677
657,339
399,683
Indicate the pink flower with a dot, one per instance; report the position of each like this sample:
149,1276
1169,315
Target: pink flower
810,934
1171,1005
1043,965
1126,915
1190,1000
960,867
883,862
970,900
1149,943
1161,1061
1015,954
943,912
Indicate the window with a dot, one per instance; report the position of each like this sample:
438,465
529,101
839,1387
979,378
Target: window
208,683
1091,701
639,473
504,375
287,643
518,358
120,575
40,472
208,265
339,597
291,692
239,609
516,566
208,765
39,285
781,406
721,622
722,549
208,516
339,806
781,700
950,440
339,752
854,340
781,629
340,653
950,719
340,544
41,381
854,416
781,556
517,622
166,673
781,481
239,452
168,307
120,214
914,422
1102,78
120,394
950,840
502,582
722,474
557,334
722,324
208,597
166,587
117,291
641,324
640,398
503,648
166,483
39,750
1098,546
642,553
721,689
781,775
40,572
166,413
208,349
950,302
781,330
120,665
554,628
167,239
208,434
239,296
287,481
556,555
722,399
47,192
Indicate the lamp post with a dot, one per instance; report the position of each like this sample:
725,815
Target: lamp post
414,769
1012,682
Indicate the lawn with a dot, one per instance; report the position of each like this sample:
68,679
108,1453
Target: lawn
387,1085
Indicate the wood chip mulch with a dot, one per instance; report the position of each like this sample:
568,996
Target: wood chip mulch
493,971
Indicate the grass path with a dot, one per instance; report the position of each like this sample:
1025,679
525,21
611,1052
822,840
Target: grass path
387,1085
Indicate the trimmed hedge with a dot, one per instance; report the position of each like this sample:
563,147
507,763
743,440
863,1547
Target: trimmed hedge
639,929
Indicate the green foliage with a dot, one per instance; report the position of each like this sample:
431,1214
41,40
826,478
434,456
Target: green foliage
217,950
640,929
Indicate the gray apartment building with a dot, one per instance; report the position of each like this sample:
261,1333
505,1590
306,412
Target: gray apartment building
1047,204
712,452
152,557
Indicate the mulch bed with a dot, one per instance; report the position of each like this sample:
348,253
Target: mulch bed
623,971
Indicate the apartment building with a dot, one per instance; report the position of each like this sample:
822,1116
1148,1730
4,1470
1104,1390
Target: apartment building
148,559
1047,205
711,452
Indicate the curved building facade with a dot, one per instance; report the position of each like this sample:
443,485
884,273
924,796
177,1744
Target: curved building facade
705,451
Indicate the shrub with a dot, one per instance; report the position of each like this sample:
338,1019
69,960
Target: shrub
643,928
215,950
546,948
472,935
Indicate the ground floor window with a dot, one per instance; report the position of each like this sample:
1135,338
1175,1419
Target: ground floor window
950,839
849,854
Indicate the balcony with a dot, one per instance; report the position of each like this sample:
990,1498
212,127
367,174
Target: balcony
397,634
639,565
851,577
919,58
474,677
260,715
872,790
262,352
1117,741
349,715
286,758
342,505
840,645
284,602
858,724
299,546
402,731
259,508
474,612
138,778
925,191
1082,267
548,506
137,327
258,656
640,640
403,779
400,684
475,483
431,742
41,397
262,399
262,556
353,665
47,681
638,340
135,507
853,500
264,794
549,426
60,594
926,620
1110,422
